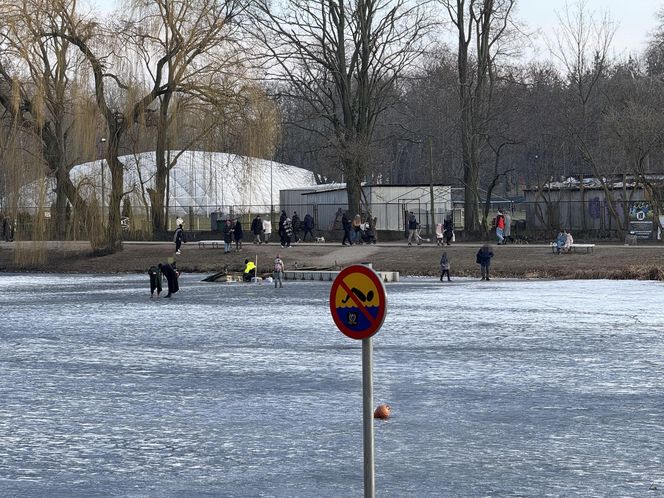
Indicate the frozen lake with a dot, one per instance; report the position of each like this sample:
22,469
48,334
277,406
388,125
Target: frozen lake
498,388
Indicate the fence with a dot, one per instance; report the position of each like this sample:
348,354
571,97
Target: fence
593,218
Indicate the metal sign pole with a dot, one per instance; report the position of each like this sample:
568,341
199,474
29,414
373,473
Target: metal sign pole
367,412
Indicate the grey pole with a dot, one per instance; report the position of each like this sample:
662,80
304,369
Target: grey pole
367,412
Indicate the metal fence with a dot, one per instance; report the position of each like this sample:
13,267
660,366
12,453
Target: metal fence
594,218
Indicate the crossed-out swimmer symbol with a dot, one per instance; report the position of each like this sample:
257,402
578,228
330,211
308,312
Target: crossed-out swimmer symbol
351,316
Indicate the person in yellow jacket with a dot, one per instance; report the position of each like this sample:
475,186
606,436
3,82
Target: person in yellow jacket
249,270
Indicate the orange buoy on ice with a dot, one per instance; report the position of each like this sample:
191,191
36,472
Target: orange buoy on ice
383,411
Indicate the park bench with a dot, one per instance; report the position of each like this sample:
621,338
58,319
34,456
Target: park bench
214,244
588,247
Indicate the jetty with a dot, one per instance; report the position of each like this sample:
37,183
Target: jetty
330,275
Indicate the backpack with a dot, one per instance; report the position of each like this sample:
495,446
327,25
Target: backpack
278,265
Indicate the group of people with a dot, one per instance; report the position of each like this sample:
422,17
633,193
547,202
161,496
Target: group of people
291,227
564,241
357,231
261,229
157,274
482,258
445,232
277,271
232,233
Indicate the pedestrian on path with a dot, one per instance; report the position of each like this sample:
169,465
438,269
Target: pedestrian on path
178,238
257,229
412,228
500,227
228,236
345,224
267,230
238,235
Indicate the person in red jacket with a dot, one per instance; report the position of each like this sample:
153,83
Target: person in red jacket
500,227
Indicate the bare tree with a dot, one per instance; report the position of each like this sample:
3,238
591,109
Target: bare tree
482,24
343,57
634,122
582,46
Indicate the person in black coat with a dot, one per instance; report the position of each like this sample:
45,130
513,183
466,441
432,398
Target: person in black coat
228,236
169,271
448,230
282,232
257,229
295,221
346,225
178,238
483,259
412,228
237,235
308,226
155,280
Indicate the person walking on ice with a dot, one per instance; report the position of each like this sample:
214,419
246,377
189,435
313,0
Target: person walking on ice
483,259
444,267
155,280
278,273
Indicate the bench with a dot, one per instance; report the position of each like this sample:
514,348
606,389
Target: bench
588,247
214,244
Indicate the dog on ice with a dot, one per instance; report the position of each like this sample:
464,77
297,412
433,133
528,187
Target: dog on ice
319,240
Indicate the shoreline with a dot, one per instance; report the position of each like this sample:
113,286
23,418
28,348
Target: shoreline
535,261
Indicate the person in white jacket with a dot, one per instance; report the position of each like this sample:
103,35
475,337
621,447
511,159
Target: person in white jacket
267,230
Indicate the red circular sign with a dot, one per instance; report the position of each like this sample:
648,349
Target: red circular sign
358,302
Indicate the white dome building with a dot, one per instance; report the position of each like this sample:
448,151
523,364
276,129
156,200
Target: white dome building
206,182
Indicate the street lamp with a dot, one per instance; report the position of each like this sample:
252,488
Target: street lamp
102,141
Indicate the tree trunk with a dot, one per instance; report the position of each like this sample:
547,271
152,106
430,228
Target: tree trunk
113,236
157,196
354,189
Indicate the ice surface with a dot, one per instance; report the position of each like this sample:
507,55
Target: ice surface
502,388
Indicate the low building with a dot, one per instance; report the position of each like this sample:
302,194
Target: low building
388,203
591,205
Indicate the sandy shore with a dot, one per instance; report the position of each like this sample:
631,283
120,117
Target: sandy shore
511,261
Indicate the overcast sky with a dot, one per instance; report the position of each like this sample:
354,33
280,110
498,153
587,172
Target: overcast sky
635,18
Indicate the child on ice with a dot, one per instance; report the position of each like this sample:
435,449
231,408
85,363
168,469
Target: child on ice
444,267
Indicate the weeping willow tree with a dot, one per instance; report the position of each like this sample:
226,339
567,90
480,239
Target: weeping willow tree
49,125
258,131
119,93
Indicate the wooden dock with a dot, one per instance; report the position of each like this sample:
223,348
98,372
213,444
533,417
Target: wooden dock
323,275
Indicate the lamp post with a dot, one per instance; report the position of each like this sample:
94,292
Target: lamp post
271,198
102,142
